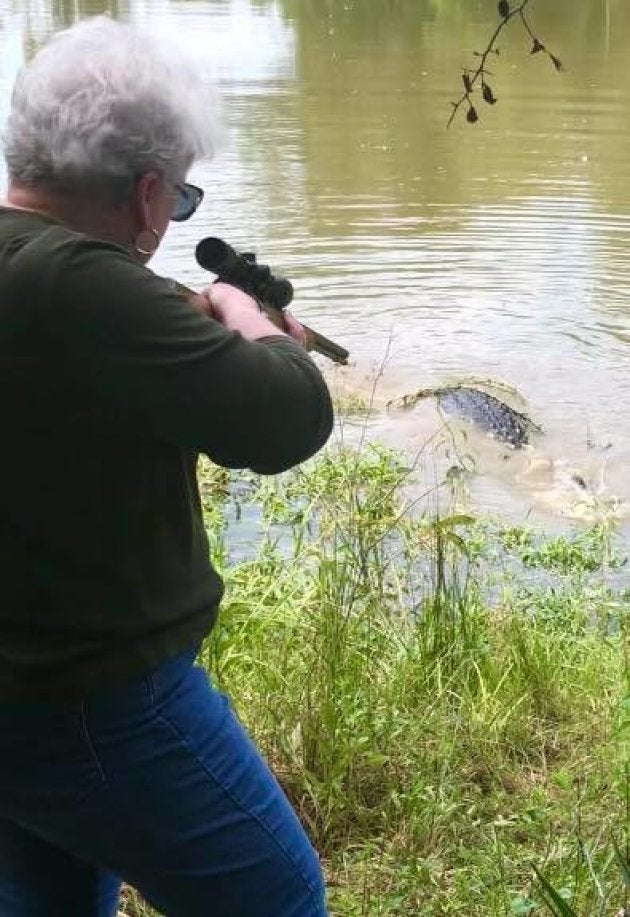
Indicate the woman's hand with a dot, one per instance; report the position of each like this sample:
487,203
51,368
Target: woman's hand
294,329
237,311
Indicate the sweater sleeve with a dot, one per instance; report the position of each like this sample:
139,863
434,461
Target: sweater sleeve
177,376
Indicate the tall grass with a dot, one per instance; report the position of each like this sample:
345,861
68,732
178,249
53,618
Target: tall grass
445,702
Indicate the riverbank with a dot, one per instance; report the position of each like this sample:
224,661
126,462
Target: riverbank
445,701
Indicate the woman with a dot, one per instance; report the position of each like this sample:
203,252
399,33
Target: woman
118,760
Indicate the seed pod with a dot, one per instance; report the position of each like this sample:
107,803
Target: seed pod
466,82
556,62
537,46
504,9
471,115
487,93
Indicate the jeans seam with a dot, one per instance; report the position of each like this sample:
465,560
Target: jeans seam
90,745
286,853
151,689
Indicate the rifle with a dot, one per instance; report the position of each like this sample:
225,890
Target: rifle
272,293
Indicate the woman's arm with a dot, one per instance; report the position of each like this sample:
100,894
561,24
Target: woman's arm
242,392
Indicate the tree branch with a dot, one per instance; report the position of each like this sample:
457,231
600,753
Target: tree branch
470,78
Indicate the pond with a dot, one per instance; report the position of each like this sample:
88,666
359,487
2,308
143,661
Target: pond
495,250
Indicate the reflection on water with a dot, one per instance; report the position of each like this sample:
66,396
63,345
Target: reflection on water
244,47
498,250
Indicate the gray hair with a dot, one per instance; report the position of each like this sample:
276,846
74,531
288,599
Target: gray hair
101,104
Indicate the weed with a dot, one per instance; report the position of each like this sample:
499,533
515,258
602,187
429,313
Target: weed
439,720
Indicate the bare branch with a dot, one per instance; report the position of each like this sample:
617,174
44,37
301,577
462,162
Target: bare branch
470,77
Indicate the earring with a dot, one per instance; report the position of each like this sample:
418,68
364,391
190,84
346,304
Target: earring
147,248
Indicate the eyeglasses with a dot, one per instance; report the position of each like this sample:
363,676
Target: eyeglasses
188,199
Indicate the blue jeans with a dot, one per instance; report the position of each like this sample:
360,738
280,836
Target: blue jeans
155,784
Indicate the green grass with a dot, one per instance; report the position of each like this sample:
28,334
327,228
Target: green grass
445,702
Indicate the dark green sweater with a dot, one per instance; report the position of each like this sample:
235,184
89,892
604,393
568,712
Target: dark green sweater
111,384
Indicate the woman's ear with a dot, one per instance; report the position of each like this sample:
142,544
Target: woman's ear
145,193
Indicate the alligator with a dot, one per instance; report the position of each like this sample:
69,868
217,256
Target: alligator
486,411
489,414
555,484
